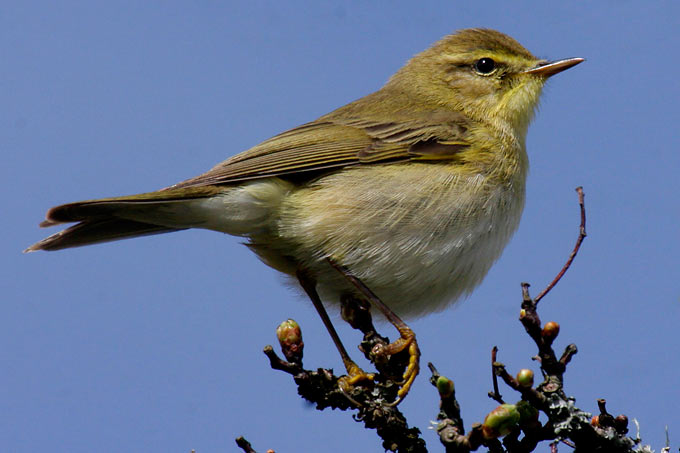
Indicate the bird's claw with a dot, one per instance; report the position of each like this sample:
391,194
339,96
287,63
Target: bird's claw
407,341
354,375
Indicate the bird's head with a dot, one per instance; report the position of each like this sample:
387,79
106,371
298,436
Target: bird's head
483,73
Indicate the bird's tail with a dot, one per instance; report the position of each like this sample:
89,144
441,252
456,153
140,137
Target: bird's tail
112,219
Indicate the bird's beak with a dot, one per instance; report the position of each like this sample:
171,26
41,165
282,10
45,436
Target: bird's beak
550,68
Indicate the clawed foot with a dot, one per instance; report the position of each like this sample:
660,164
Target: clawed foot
382,352
356,312
354,376
406,342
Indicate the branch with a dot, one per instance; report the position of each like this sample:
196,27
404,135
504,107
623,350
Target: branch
581,236
372,402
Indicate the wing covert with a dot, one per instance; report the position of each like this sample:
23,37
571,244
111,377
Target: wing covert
339,142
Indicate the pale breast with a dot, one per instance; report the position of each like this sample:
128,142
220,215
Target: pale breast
419,235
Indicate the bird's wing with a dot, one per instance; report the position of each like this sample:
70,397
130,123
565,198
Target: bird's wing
304,152
331,143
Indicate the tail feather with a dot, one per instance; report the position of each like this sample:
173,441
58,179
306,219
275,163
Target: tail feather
112,219
104,207
97,231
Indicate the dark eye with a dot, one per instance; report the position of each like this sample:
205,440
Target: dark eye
485,65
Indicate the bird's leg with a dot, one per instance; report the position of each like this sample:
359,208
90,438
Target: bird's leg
406,341
354,373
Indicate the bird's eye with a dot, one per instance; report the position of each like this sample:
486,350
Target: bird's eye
485,66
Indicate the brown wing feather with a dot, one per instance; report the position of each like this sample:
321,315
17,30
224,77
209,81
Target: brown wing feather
308,147
338,140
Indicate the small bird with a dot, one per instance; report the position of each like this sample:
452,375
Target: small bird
411,192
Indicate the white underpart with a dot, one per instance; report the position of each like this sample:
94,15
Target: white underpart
420,239
244,210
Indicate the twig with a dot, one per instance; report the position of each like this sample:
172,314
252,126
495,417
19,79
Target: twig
581,236
244,445
496,394
279,364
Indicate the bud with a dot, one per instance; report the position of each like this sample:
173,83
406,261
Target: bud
500,421
595,421
621,424
445,387
522,313
550,330
525,378
289,335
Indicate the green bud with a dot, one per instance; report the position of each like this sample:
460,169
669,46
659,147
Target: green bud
445,386
289,332
525,378
289,335
500,421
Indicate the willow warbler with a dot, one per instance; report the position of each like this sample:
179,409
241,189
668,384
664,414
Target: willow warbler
414,189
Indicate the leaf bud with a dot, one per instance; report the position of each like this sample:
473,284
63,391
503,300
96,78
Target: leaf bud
621,424
445,387
289,335
500,421
525,378
550,330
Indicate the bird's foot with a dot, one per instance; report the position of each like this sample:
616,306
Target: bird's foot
354,376
406,342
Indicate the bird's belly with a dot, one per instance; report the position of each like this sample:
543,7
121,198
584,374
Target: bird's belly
418,272
419,245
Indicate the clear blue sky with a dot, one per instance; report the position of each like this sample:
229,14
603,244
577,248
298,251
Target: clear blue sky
155,344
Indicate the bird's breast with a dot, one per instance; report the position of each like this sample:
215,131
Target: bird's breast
419,235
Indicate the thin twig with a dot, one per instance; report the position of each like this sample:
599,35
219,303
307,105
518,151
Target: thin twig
568,443
244,445
581,236
496,394
278,364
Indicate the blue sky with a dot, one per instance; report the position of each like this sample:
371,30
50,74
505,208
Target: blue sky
155,344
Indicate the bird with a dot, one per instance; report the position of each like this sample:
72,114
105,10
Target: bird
404,197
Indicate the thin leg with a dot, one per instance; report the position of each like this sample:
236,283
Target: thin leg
407,338
355,374
309,285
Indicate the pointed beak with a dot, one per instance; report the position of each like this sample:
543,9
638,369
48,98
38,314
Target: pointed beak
550,68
